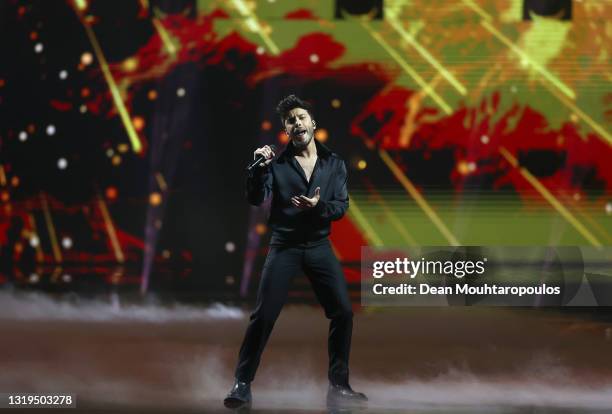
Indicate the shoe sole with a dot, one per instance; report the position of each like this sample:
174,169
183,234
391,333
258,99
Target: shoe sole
345,403
234,403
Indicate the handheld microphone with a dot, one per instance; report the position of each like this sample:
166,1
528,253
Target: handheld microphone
260,158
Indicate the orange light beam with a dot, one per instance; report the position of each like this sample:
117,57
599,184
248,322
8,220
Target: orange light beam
57,253
110,230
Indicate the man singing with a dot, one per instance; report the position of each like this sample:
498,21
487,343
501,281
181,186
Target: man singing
307,183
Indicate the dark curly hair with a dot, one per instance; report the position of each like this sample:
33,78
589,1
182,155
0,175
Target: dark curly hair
289,103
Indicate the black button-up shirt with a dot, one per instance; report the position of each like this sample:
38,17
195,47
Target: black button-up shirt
284,178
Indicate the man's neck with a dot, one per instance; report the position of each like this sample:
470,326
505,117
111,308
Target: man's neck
309,151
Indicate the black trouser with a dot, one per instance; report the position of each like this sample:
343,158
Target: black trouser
323,270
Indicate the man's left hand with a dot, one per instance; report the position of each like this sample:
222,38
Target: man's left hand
302,202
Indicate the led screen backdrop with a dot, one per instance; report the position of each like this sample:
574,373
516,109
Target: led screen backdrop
125,128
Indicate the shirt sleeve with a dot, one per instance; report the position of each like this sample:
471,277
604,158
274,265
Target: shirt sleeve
259,185
335,208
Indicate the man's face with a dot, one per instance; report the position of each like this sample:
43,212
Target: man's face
300,127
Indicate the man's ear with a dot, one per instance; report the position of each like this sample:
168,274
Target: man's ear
314,124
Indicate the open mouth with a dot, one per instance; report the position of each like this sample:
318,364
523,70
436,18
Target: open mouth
300,133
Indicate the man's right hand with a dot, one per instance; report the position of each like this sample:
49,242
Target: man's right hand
267,152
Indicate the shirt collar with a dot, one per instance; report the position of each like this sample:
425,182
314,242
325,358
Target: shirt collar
322,151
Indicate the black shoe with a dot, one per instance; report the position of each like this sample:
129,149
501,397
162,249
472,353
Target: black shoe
239,396
344,396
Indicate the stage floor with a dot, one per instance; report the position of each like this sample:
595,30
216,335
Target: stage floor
145,358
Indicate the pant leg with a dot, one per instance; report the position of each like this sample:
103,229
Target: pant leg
327,279
281,265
